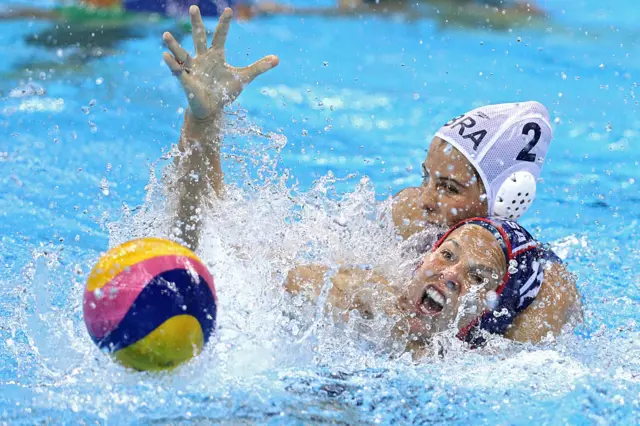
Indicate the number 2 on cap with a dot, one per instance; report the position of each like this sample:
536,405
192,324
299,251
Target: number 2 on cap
525,154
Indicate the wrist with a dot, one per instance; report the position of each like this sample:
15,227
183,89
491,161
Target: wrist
201,133
199,122
201,128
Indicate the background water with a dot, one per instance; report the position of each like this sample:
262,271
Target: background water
79,156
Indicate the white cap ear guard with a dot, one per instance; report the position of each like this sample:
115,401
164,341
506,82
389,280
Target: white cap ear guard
515,195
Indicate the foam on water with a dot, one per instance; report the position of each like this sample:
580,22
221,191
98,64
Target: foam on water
266,365
269,365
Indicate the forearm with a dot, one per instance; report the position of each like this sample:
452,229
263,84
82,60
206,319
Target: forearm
351,287
199,174
209,84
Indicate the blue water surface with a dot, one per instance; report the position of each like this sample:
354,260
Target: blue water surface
352,96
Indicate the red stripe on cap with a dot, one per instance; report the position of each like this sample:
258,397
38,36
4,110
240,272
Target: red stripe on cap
505,238
464,331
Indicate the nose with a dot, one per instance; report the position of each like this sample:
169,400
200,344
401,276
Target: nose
448,276
428,197
450,280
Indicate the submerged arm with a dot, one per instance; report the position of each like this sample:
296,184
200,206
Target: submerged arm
351,287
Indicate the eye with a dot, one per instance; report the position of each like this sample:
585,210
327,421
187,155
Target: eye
425,176
450,188
477,279
447,254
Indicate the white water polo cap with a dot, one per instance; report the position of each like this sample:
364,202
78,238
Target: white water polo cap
507,145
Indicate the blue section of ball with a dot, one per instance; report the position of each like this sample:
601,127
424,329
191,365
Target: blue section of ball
169,294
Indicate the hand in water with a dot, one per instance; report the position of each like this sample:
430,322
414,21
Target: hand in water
208,81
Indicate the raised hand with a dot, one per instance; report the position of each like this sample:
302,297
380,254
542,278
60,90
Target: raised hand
208,81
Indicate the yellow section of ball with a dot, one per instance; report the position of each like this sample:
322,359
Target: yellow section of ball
128,254
175,341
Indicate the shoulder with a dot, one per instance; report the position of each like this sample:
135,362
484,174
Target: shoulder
556,305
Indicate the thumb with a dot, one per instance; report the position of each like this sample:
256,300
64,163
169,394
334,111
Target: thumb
248,74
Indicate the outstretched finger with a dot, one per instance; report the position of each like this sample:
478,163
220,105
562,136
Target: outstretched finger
174,66
220,36
188,83
198,30
178,70
248,74
180,55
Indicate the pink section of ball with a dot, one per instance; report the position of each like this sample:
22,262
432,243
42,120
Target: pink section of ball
104,308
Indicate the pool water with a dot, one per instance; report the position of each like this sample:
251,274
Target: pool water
343,122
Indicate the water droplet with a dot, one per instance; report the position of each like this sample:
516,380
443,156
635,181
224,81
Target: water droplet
492,299
104,186
98,293
513,266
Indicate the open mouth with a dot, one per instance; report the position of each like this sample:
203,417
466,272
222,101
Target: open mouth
432,301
